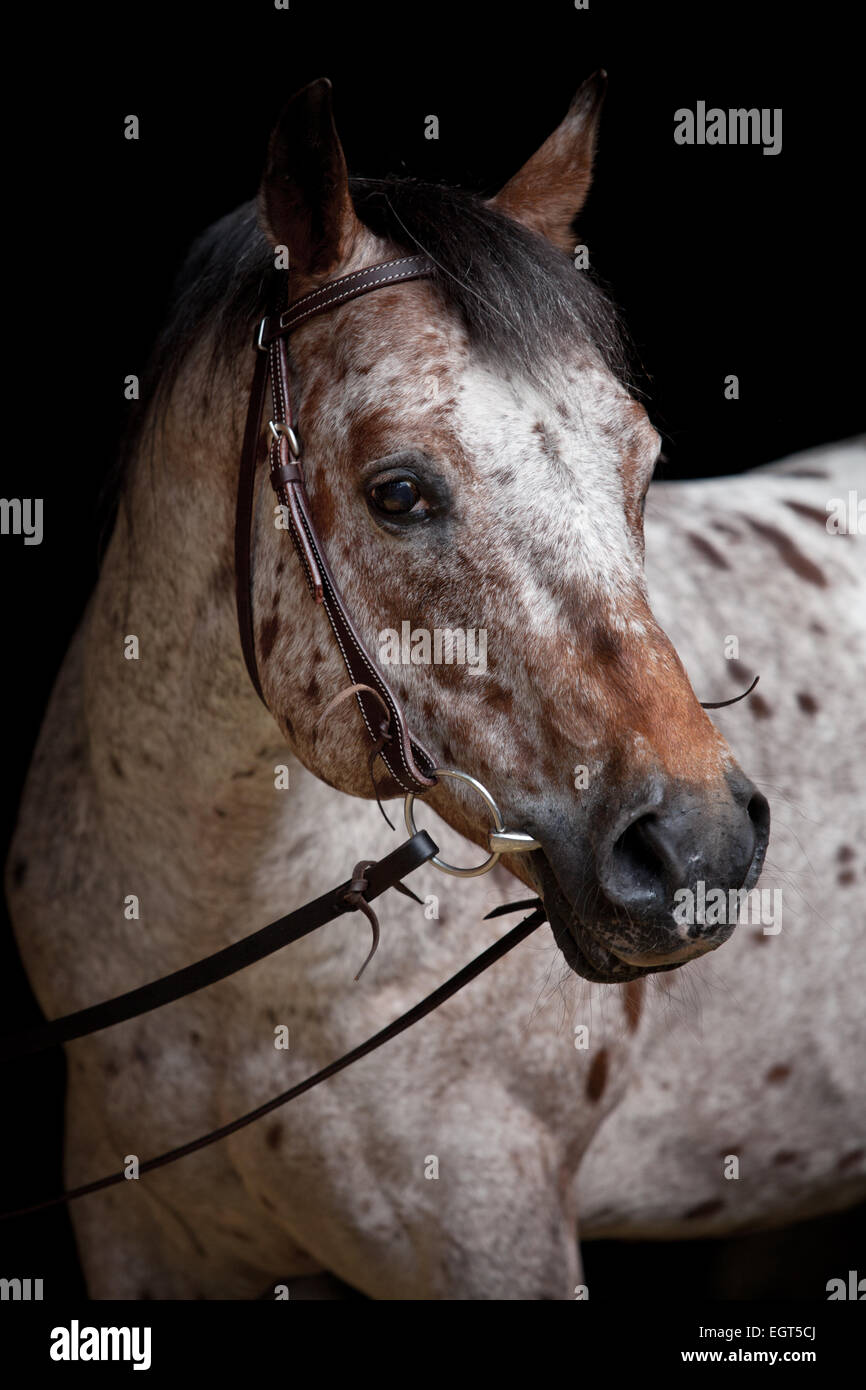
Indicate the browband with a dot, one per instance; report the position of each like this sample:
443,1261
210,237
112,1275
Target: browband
408,762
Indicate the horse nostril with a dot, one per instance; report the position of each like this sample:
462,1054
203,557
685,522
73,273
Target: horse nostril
758,811
639,864
759,814
667,848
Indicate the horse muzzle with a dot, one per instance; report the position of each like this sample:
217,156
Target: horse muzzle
655,884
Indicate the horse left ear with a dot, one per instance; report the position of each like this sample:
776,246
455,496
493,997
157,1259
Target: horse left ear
304,201
549,191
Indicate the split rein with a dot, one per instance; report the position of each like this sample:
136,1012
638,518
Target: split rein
377,878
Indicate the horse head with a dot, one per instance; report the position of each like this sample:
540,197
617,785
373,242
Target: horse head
477,467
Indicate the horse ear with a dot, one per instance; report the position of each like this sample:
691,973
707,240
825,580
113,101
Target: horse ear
549,191
304,201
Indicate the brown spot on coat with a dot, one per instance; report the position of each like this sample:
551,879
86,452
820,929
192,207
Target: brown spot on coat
780,1072
268,636
740,671
597,1078
506,476
847,877
323,506
759,707
845,854
785,1156
850,1159
607,646
708,550
499,698
812,513
710,1208
633,993
223,576
273,1135
808,704
369,431
789,553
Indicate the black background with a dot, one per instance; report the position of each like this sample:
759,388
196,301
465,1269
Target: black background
723,260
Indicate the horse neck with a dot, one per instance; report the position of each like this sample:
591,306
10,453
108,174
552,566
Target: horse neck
183,751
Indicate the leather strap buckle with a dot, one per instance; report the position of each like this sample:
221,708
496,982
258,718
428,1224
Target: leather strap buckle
279,427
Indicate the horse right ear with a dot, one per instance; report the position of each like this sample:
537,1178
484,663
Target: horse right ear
304,201
549,191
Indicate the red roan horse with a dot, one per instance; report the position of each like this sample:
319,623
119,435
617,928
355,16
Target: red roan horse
474,463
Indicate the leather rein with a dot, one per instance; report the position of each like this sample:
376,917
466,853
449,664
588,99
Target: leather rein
408,762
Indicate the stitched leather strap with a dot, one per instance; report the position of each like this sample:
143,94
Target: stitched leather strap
381,876
244,520
408,762
341,290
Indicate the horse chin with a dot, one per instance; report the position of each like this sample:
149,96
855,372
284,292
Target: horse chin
591,960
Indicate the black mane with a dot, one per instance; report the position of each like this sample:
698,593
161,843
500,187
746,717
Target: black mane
519,297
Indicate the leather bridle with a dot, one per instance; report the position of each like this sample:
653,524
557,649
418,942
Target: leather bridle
408,762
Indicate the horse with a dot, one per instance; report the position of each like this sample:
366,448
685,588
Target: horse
475,462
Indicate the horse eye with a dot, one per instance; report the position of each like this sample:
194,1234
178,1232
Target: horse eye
397,497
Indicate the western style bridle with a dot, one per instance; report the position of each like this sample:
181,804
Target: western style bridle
410,767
